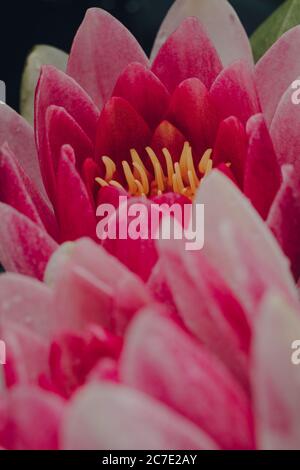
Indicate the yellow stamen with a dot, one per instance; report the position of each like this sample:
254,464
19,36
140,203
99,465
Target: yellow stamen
182,177
204,161
110,168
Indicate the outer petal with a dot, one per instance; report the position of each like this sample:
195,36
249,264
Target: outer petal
152,425
18,191
234,93
187,53
19,135
39,56
76,215
101,50
208,308
279,62
57,89
142,89
284,218
262,177
276,380
237,240
193,113
284,131
85,289
220,21
20,412
24,246
161,360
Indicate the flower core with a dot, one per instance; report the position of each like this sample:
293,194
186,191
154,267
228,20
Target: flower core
180,177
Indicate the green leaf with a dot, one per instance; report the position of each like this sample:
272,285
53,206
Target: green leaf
284,18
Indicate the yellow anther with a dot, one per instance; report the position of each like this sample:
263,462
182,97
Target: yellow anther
110,168
204,161
170,168
116,184
180,184
192,182
158,172
129,177
208,167
143,177
140,188
102,182
137,159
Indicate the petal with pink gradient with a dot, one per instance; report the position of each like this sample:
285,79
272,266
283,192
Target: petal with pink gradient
20,137
86,291
220,20
262,178
55,88
162,361
20,411
276,380
231,147
101,50
208,308
75,212
24,246
284,218
151,424
238,240
233,92
120,128
143,90
284,131
280,62
192,112
187,53
18,191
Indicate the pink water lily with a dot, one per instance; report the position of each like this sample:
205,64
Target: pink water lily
117,121
192,359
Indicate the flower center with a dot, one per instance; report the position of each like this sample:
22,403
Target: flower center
181,177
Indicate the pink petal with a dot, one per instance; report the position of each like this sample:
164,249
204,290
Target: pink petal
18,191
138,255
284,130
231,147
152,425
142,89
186,377
275,378
262,173
76,215
167,136
120,128
81,285
193,114
187,53
62,129
284,218
234,93
24,247
58,89
101,50
220,21
238,240
22,409
280,62
208,308
20,137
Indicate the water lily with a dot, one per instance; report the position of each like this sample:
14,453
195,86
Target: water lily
119,122
94,344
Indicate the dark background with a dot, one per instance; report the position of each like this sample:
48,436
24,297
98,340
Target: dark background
27,23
